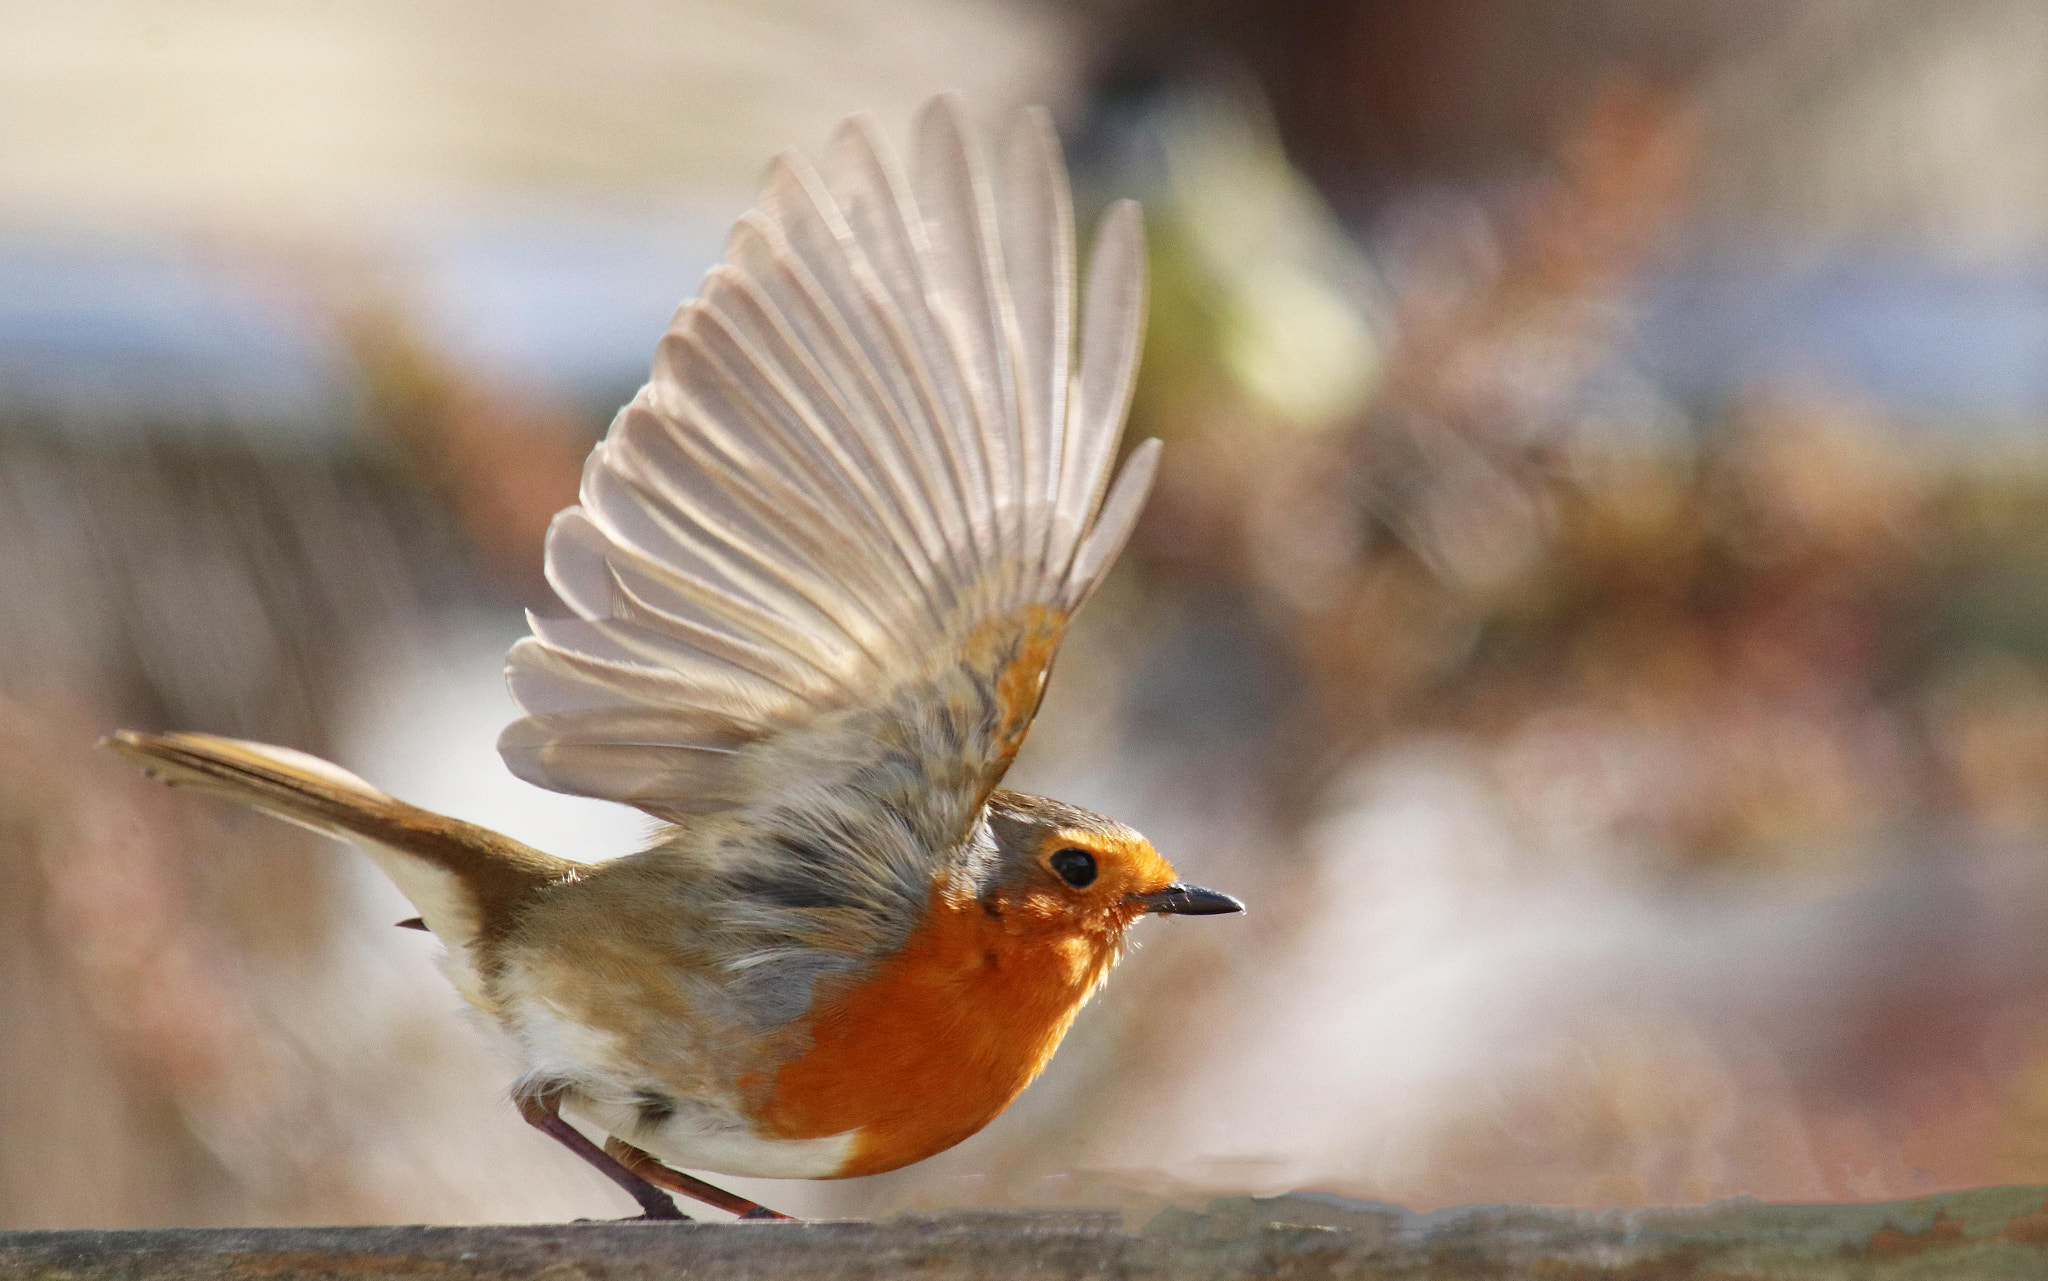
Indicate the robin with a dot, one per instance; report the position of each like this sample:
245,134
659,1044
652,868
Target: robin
815,581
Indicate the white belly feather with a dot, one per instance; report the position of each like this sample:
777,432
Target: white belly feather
696,1134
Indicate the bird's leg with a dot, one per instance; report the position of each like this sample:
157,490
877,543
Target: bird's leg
647,1167
542,1111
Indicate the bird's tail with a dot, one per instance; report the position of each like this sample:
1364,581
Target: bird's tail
465,880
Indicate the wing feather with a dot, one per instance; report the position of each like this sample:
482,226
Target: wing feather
821,563
1112,333
1113,527
971,307
883,239
820,244
1039,246
821,335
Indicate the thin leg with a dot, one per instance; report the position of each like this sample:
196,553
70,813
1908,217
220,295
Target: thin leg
647,1167
543,1112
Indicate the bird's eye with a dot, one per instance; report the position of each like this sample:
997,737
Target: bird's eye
1076,867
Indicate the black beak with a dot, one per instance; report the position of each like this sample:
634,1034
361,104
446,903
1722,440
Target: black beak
1180,899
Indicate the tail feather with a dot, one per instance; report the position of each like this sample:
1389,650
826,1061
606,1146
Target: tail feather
467,881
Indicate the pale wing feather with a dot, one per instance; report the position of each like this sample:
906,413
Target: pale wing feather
686,469
1112,334
963,270
670,529
803,238
885,253
822,561
1038,239
816,333
1113,526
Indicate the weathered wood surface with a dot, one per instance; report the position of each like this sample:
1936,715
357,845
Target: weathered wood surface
1988,1233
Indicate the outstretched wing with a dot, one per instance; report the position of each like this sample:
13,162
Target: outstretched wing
822,561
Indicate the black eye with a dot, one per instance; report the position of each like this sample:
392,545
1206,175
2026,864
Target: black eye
1076,867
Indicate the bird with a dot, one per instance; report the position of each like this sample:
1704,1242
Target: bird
814,582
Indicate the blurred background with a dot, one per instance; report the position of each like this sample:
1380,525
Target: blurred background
1595,606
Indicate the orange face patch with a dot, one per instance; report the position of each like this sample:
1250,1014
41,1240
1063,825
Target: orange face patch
1125,864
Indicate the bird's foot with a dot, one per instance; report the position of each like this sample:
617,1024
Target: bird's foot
644,1166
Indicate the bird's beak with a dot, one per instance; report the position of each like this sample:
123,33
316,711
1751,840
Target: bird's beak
1179,899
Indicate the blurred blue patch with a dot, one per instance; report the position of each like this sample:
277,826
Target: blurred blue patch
1925,340
100,338
567,304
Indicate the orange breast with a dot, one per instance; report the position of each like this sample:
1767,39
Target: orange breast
937,1041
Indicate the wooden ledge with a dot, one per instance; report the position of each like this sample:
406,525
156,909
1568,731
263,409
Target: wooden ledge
1987,1233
